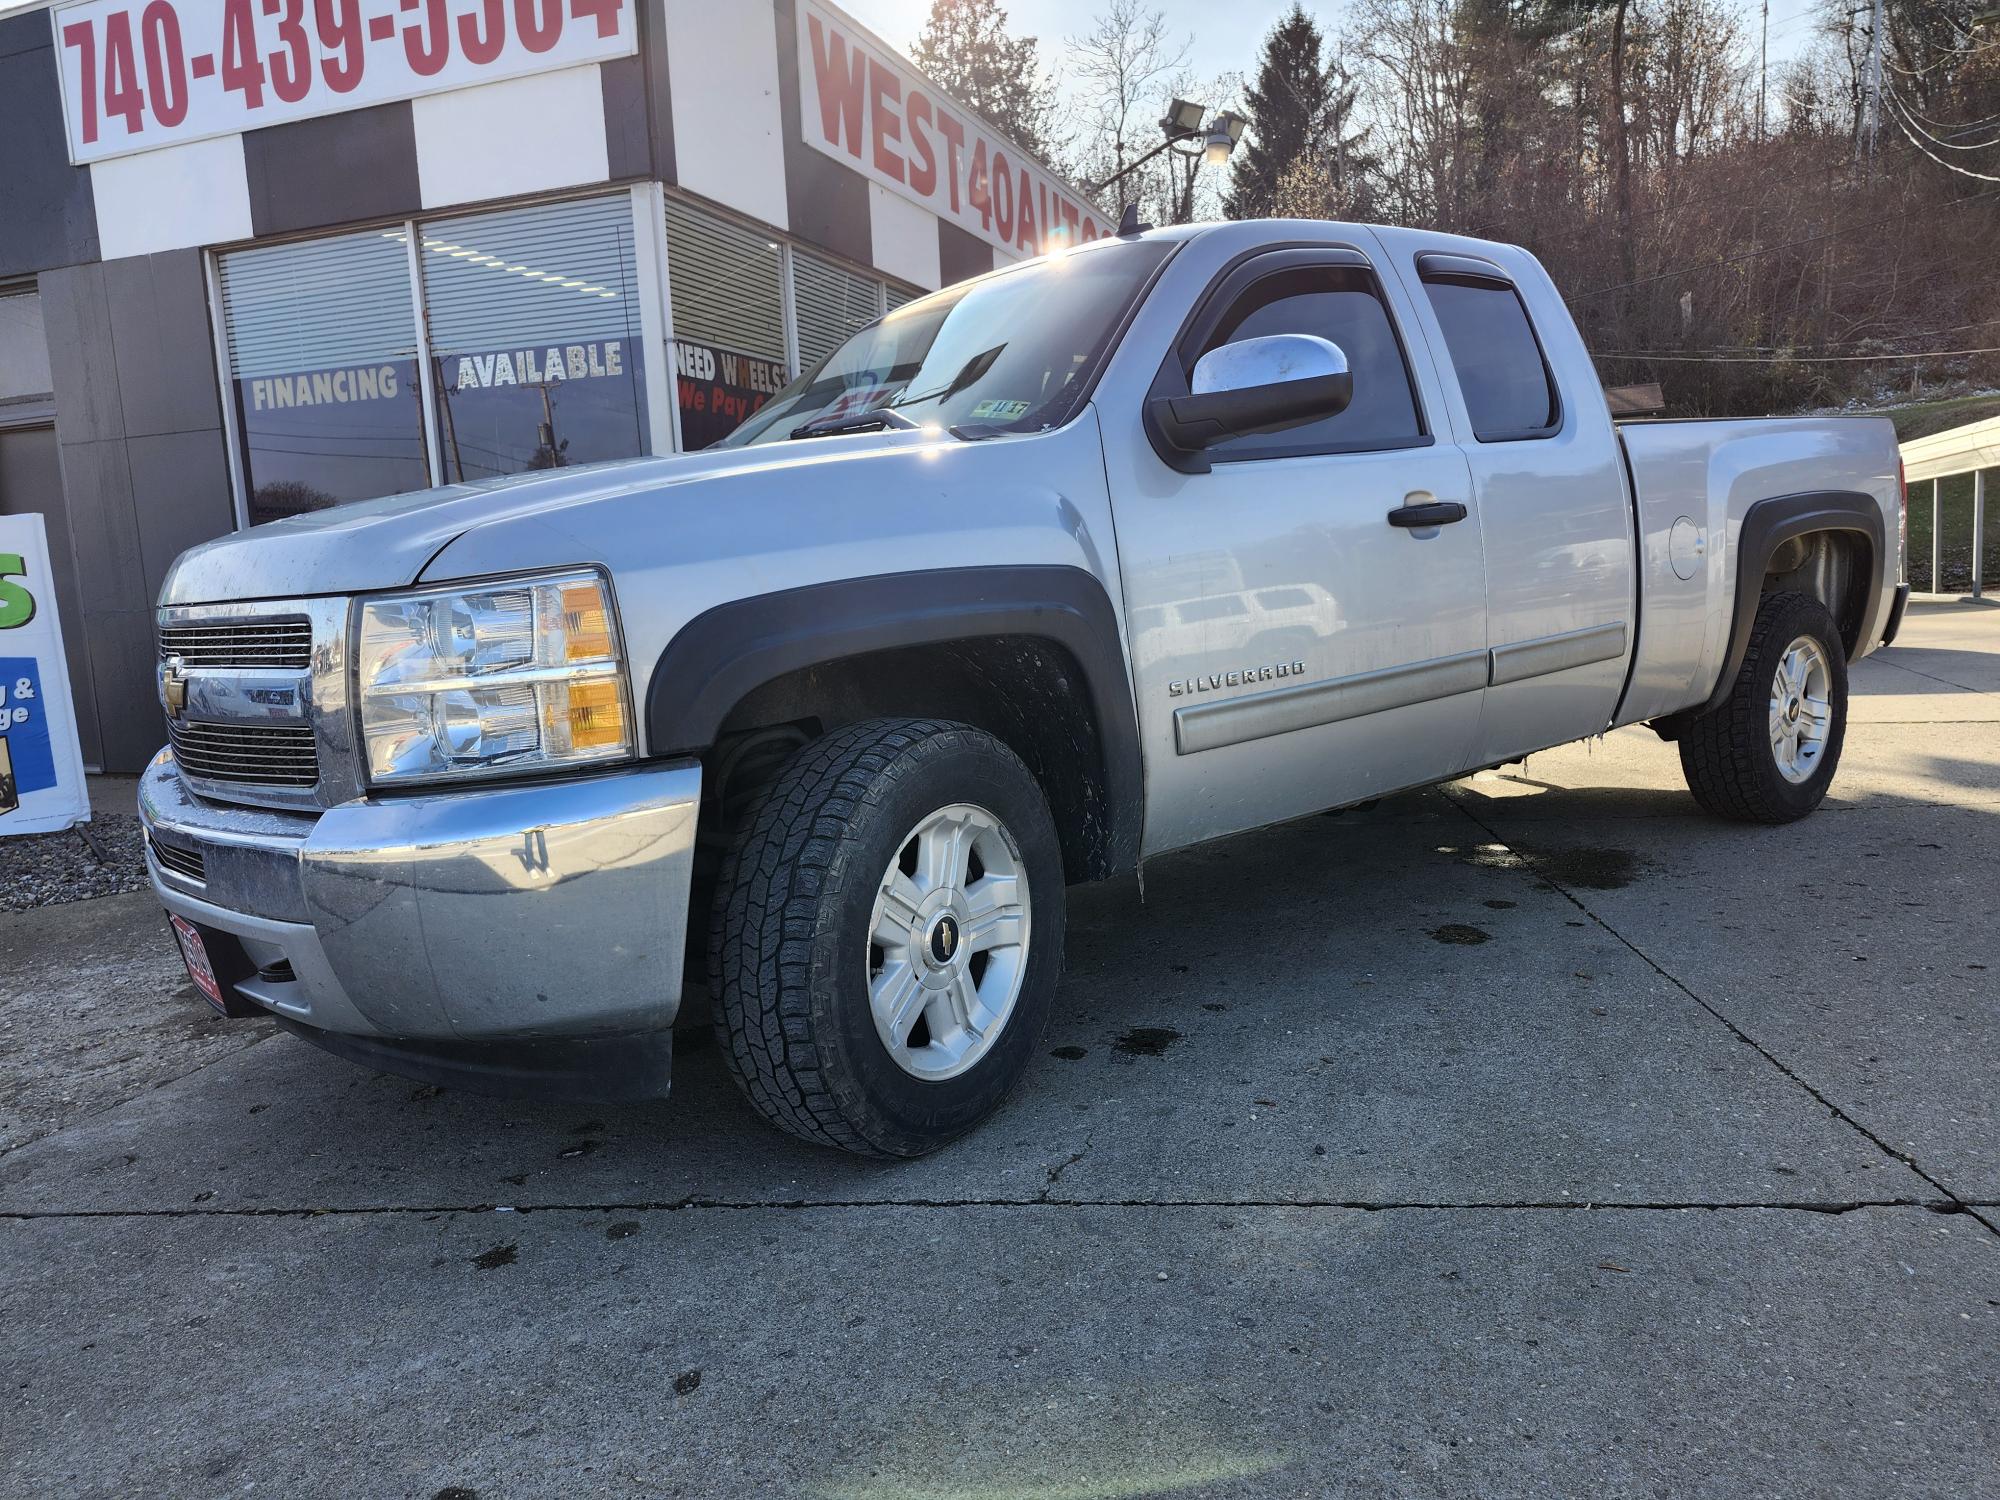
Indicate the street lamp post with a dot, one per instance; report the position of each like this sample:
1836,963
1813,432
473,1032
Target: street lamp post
1182,125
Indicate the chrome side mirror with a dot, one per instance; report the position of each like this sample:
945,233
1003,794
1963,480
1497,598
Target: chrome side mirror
1256,385
1277,359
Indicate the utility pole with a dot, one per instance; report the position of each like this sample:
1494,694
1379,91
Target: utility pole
1763,69
1873,118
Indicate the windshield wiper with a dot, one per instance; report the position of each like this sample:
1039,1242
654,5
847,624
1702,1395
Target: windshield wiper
873,419
973,371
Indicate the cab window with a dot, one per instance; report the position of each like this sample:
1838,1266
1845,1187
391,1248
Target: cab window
1344,305
1509,393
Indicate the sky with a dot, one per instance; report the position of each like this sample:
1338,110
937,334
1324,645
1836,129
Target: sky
1226,33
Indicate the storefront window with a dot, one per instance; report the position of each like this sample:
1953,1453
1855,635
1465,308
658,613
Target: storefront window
832,305
24,352
727,286
533,321
323,372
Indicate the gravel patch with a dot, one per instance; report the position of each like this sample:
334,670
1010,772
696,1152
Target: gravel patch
102,858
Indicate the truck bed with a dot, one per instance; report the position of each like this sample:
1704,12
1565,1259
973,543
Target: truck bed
1692,482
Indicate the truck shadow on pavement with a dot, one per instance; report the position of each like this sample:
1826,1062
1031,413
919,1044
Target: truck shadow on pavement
1395,1006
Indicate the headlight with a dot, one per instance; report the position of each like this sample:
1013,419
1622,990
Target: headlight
515,676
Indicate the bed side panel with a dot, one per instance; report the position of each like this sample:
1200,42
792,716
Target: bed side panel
1693,483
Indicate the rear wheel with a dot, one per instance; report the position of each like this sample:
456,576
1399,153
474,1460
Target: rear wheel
1769,752
887,936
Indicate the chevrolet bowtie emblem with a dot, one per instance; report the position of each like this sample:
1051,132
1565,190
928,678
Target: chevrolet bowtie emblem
174,688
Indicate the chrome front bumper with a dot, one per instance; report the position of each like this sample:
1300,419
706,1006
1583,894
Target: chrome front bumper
483,914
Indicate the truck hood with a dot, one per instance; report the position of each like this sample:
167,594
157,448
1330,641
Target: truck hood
387,543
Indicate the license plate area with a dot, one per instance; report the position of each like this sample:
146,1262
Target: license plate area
194,953
215,962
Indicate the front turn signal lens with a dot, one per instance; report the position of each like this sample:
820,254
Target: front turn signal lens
586,622
596,714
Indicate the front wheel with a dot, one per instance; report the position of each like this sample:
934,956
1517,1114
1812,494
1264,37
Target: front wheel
887,936
1768,753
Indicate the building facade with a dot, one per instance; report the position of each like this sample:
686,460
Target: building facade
258,257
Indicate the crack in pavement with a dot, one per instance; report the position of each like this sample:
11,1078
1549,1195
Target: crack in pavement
1946,1207
1888,660
1961,1205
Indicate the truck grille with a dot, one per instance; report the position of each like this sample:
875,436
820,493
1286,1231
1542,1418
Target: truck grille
244,643
251,755
187,863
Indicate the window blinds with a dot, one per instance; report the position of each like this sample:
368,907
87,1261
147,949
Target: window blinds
830,302
319,304
553,273
725,281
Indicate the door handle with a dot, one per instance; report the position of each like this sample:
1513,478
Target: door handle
1430,513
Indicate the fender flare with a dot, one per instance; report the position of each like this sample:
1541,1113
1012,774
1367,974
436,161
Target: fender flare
1767,526
724,653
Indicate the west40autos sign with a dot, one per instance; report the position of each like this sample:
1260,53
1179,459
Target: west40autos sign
137,74
41,766
865,107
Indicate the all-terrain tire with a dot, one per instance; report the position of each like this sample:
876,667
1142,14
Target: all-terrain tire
792,935
1729,755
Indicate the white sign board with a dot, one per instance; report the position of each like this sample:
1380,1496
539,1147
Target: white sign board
41,765
137,74
866,108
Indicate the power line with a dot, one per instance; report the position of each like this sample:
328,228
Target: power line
1796,359
1915,118
1859,338
1948,56
1811,239
1896,111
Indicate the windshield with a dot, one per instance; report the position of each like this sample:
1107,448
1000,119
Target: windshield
1006,353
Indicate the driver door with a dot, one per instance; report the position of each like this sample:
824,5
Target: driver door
1295,645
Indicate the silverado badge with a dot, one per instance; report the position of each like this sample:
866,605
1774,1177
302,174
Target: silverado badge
1182,687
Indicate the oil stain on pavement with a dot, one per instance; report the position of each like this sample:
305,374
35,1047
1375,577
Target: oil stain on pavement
1144,1041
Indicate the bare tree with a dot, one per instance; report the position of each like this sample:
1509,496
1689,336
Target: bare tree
1692,90
1417,73
1121,67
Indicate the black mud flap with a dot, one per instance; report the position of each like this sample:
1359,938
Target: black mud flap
1896,614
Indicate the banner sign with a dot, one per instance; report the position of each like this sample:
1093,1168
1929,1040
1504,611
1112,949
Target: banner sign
137,74
719,390
41,763
869,110
598,360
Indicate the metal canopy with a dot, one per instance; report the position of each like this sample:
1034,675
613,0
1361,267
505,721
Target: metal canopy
1957,450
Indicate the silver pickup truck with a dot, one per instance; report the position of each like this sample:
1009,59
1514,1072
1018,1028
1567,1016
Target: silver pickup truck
1170,536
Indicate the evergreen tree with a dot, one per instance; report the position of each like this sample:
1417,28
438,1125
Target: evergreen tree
1289,107
965,47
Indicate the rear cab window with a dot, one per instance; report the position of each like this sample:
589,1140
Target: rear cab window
1510,393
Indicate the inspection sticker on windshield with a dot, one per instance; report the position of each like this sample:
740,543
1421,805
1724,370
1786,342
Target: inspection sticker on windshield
999,411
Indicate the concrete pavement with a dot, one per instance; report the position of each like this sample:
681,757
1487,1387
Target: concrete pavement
1537,1135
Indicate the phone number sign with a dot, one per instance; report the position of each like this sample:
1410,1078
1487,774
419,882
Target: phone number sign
137,74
